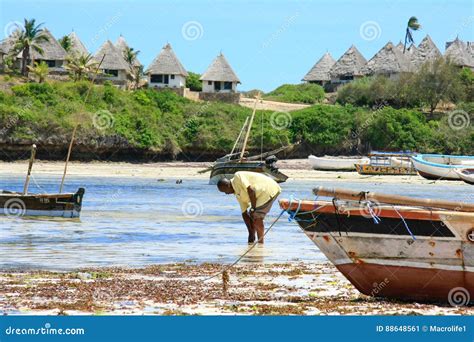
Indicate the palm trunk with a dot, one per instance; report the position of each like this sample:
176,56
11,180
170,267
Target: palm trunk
24,61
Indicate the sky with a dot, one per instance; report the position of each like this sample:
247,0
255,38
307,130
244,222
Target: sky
268,43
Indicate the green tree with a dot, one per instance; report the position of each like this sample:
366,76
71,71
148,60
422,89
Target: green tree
437,81
66,43
80,66
40,70
29,38
412,25
135,71
193,82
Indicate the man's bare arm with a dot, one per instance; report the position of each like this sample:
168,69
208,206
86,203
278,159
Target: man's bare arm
252,196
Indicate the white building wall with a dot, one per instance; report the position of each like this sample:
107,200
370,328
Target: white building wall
179,81
209,88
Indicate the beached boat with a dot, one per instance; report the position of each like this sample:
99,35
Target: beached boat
393,246
341,163
237,159
20,204
466,175
387,163
439,166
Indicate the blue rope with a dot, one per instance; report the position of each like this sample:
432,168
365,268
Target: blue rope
406,225
372,213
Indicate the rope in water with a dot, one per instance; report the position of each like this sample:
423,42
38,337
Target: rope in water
228,267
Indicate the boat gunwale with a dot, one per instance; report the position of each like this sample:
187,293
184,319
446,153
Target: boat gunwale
419,158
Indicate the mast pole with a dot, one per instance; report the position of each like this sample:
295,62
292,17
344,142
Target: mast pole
244,146
67,159
30,166
240,134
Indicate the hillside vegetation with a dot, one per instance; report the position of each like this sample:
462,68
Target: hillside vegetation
149,124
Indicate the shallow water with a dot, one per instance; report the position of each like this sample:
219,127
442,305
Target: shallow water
136,222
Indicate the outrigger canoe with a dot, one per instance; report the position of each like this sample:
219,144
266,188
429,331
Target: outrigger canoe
439,166
393,246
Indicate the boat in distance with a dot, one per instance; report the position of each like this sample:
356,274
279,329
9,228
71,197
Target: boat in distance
330,163
392,246
441,166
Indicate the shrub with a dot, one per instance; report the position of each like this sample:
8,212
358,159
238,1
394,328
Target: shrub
297,93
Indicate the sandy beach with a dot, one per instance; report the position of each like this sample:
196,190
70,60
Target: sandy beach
295,168
185,289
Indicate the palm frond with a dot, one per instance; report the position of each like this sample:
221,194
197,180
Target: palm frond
413,24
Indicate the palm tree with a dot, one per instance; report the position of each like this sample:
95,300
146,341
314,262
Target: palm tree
40,70
130,56
412,25
29,38
66,43
80,66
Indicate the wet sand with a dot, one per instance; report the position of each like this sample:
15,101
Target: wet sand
182,289
294,168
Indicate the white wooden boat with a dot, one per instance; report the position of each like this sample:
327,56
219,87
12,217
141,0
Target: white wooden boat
393,246
330,163
467,175
439,166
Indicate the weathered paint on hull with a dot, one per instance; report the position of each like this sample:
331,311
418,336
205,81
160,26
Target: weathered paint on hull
384,170
384,259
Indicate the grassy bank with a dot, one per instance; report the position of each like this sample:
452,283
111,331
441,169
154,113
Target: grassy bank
146,122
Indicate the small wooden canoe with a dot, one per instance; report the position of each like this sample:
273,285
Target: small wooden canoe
67,205
409,252
467,175
387,163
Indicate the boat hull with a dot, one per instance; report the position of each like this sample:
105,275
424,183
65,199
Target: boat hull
48,205
467,175
384,170
440,167
335,164
228,169
385,259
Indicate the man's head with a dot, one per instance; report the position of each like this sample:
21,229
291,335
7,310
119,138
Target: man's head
224,185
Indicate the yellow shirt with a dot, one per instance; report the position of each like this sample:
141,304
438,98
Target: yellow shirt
265,188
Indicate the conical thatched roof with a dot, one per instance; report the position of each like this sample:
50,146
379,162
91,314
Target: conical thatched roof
350,64
388,60
166,63
426,51
6,45
113,57
470,48
52,50
320,71
220,70
76,45
121,44
459,53
400,46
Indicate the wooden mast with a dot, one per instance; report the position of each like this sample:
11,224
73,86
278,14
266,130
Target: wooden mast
240,134
392,199
244,146
67,159
30,166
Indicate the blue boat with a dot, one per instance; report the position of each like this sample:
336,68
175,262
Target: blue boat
441,166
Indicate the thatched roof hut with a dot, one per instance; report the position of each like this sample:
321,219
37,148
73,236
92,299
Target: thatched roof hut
52,50
220,70
113,59
166,63
350,64
319,73
389,60
77,47
459,53
426,51
121,44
